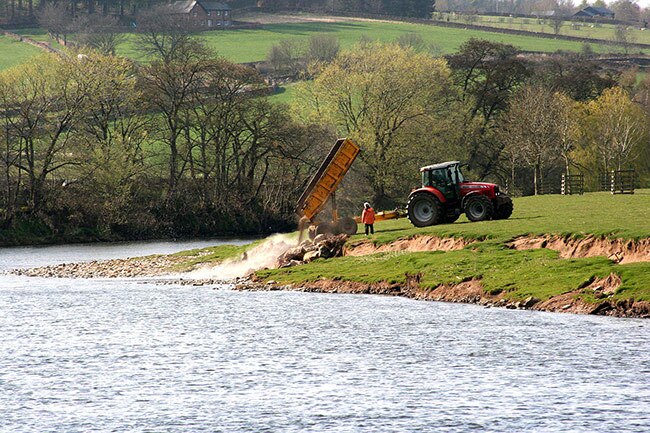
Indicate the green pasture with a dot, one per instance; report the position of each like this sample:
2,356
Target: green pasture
285,94
540,273
579,29
13,52
254,45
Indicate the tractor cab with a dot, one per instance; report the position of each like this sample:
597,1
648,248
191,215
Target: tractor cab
446,177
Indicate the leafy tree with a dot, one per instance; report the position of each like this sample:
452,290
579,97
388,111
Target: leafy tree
615,129
43,104
487,73
391,100
580,78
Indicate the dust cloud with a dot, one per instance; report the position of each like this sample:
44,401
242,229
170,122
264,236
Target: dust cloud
265,255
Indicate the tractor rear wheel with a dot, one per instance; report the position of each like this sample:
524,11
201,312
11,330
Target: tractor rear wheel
348,226
424,209
504,211
478,208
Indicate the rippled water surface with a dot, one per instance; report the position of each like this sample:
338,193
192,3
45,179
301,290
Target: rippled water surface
119,355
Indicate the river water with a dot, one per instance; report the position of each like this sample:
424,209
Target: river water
136,356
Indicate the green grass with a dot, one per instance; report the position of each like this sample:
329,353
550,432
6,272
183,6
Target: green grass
13,52
285,95
253,45
601,31
540,273
600,214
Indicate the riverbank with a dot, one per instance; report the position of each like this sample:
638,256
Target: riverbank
473,292
587,255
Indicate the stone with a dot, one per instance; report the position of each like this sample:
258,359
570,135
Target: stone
293,254
320,238
310,256
529,302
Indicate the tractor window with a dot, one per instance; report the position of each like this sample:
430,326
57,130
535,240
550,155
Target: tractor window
426,179
435,177
459,175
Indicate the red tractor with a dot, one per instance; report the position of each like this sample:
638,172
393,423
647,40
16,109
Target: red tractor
445,194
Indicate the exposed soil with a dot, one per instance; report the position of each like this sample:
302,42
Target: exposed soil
617,250
416,244
472,292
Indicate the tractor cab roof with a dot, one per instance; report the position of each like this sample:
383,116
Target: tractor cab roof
440,165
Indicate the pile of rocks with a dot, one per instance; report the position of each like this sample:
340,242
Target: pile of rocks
116,268
323,246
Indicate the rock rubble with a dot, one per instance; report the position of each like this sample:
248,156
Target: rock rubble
323,246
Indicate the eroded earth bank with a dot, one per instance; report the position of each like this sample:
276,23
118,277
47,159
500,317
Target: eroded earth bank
334,264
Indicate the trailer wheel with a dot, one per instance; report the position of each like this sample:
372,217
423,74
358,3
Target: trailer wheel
424,209
348,226
478,208
325,229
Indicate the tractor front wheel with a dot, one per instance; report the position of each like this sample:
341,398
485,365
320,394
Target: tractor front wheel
504,210
424,209
478,208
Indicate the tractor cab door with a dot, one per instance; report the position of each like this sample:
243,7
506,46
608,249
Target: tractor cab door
444,180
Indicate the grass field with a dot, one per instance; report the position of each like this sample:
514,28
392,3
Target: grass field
285,95
253,45
13,53
602,31
540,273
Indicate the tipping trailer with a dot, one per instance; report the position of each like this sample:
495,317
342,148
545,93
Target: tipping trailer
322,188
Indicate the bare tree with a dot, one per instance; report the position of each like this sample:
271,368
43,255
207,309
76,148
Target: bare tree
162,34
531,131
285,57
56,20
101,33
323,48
624,36
556,24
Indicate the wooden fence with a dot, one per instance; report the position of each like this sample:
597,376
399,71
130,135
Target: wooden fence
618,181
573,184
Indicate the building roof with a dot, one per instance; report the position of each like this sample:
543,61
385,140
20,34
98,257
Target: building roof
594,12
185,6
182,6
440,165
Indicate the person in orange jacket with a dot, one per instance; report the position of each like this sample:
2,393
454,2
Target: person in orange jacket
368,218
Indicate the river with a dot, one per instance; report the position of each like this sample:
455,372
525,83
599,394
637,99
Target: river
136,356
